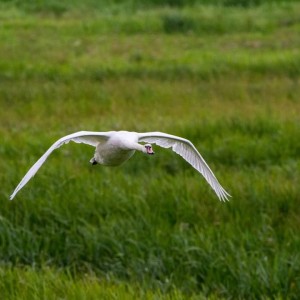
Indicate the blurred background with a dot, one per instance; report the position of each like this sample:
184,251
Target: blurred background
222,73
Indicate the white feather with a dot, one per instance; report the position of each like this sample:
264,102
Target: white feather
187,150
86,137
115,147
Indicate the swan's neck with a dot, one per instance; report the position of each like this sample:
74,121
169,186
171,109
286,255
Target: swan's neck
139,147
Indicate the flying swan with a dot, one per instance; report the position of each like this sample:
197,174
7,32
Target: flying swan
115,147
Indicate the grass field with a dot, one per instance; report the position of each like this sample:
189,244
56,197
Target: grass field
224,76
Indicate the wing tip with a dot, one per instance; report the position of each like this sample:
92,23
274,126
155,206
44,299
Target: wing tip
224,196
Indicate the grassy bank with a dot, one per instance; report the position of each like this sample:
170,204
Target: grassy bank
225,77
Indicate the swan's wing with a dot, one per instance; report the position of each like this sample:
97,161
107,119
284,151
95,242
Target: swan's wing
86,137
187,150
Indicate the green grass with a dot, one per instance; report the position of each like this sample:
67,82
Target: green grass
49,284
225,77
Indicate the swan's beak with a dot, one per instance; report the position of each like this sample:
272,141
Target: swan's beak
150,151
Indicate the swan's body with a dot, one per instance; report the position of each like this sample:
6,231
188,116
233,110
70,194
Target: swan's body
115,147
118,149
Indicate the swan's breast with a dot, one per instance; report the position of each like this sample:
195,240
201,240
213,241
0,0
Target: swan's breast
114,152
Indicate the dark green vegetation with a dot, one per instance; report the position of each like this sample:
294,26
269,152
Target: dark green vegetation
225,77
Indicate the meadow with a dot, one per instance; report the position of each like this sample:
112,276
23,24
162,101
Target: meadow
225,76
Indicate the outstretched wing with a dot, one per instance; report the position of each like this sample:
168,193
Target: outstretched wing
187,150
87,137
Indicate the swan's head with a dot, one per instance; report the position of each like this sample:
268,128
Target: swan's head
148,149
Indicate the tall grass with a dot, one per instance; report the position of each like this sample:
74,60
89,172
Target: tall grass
151,228
28,283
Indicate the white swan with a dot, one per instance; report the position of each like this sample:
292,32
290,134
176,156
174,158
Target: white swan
115,147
